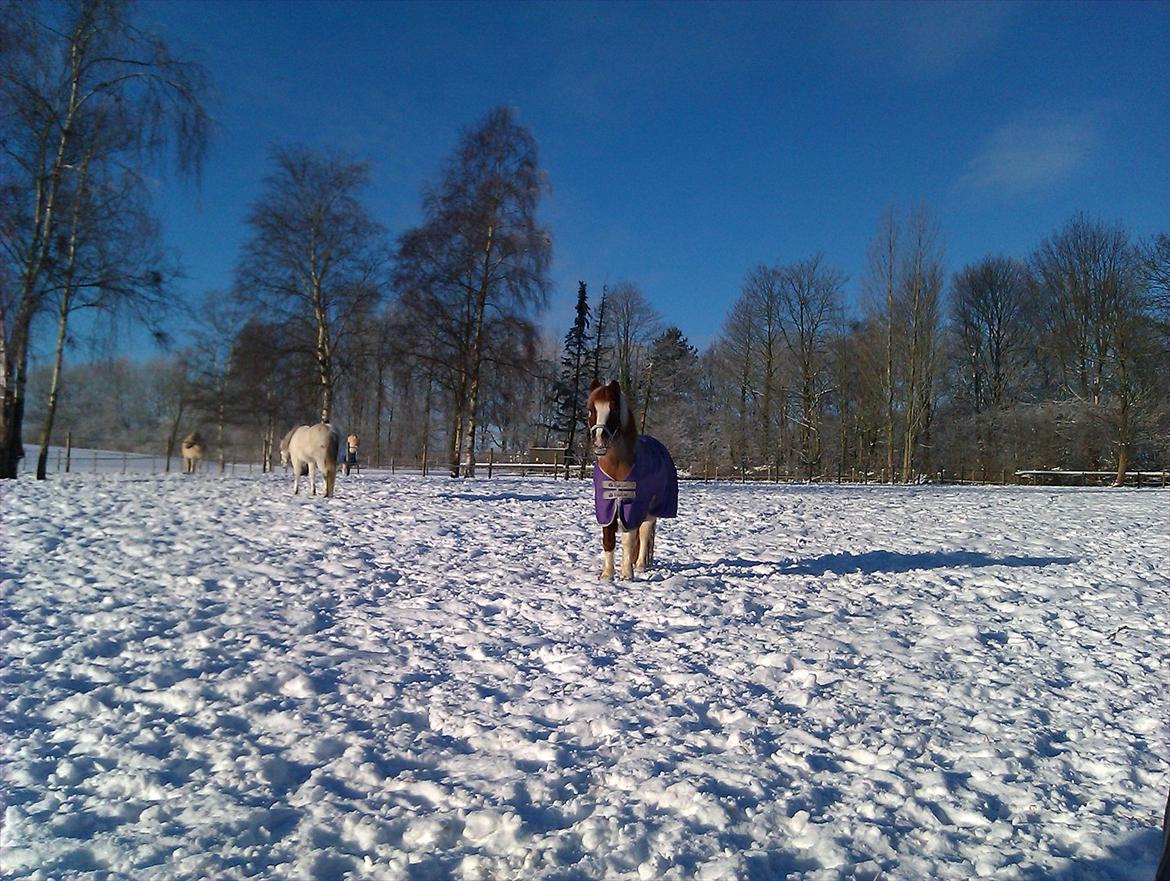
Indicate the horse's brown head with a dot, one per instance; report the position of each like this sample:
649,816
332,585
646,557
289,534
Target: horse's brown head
610,418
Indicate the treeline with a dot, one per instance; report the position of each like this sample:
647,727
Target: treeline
428,344
1054,360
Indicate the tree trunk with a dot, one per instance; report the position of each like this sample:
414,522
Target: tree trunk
649,392
379,403
173,437
1124,424
54,387
889,383
323,349
455,442
221,420
14,357
477,353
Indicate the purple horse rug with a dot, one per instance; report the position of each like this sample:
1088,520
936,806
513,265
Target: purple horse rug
650,489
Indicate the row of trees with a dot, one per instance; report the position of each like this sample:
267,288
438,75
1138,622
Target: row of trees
1057,359
87,101
429,345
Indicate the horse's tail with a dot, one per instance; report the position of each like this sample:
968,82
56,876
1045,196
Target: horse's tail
334,445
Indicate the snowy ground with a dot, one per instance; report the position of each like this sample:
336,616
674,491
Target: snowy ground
208,678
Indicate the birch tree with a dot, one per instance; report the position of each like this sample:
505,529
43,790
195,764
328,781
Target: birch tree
315,258
479,253
82,89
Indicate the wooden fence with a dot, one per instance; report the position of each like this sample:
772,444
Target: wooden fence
95,461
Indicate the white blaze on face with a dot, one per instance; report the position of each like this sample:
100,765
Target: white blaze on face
601,408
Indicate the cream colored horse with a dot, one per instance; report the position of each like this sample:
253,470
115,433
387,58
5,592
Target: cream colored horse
192,449
312,447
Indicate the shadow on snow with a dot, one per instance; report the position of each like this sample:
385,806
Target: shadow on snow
875,562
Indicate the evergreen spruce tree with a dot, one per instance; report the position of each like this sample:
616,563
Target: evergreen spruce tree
571,386
600,356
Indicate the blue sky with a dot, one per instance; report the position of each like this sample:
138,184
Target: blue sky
686,142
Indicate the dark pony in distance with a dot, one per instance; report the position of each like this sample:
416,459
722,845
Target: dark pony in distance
634,481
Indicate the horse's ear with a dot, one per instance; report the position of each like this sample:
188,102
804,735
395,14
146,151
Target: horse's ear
594,385
615,387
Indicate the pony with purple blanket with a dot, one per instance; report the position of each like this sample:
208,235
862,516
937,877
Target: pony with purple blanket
634,481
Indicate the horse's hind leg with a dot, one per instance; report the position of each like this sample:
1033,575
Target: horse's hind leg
646,534
313,477
608,540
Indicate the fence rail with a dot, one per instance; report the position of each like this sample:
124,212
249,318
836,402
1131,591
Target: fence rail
1057,477
96,461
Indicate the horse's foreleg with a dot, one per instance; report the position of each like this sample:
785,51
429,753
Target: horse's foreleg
629,551
296,477
608,539
330,479
646,540
313,477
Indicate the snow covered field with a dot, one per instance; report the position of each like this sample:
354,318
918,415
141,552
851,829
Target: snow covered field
207,678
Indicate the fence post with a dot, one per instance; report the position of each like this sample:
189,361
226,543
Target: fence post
491,459
68,450
123,462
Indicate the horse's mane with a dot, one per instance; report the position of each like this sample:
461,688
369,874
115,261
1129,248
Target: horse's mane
287,438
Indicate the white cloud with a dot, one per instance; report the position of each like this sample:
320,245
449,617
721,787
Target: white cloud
1030,153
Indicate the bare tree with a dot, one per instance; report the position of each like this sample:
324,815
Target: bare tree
479,252
631,323
109,259
81,89
170,388
1074,271
732,360
810,296
881,285
316,258
921,283
763,296
1156,260
1096,321
989,303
